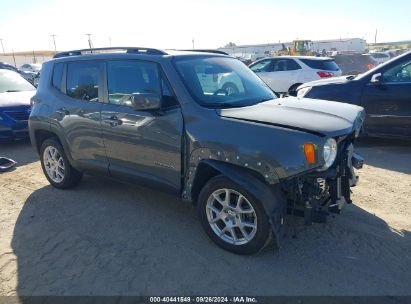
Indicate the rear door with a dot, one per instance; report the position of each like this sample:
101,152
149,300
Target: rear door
77,96
285,73
388,103
142,145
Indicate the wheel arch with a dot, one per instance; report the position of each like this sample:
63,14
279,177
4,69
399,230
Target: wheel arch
294,87
270,195
40,135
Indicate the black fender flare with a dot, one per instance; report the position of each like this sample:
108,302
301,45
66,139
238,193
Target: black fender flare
271,196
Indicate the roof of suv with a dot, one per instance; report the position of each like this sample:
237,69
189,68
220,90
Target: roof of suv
135,51
297,57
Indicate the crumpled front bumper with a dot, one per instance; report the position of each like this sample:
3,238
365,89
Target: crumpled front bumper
317,193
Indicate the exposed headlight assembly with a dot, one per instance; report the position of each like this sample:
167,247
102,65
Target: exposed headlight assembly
329,153
302,92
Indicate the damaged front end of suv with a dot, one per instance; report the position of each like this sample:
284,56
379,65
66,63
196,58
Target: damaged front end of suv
327,189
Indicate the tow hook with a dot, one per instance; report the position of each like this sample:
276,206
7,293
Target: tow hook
357,161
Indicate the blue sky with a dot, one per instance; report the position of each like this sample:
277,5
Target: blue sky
27,25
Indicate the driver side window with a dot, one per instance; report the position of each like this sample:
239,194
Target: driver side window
128,77
398,73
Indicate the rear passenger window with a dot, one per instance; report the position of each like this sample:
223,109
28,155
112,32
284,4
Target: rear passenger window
319,64
57,75
125,78
82,80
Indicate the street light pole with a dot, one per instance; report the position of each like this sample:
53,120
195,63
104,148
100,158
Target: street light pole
54,41
89,40
2,46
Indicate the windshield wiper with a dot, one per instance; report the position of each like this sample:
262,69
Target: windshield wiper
11,91
351,77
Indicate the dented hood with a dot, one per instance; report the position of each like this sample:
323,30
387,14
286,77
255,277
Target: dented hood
321,117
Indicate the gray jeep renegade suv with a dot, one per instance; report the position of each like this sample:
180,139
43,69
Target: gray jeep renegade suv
201,126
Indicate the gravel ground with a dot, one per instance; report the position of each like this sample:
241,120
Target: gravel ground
109,238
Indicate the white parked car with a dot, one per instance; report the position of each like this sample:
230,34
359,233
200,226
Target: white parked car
380,57
30,67
283,74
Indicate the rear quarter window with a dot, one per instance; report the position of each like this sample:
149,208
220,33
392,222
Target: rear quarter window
57,75
328,65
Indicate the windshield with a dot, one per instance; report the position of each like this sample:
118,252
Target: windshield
12,82
219,82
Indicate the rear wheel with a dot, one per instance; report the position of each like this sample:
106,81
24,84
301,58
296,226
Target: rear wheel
233,218
56,166
230,88
292,91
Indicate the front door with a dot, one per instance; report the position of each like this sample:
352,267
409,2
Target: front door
388,102
141,145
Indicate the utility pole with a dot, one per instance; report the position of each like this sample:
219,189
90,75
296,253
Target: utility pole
2,46
193,42
89,40
54,41
375,39
109,40
14,58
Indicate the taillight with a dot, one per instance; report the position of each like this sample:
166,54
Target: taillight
33,101
324,74
370,66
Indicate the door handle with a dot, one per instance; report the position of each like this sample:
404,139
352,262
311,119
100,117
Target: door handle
113,121
63,111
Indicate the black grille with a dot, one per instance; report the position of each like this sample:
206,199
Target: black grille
18,115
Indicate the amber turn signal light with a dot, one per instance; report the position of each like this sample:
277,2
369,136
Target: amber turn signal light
309,151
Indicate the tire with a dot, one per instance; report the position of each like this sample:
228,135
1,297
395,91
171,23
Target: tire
230,88
292,91
56,166
215,217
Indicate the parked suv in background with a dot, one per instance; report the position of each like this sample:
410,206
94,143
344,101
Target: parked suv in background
384,92
354,64
380,57
150,117
283,74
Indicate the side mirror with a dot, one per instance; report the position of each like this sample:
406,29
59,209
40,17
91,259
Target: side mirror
376,78
146,101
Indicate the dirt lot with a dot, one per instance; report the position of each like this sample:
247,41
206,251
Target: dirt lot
108,238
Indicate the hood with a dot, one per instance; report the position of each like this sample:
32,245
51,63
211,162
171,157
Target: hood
325,81
13,99
320,117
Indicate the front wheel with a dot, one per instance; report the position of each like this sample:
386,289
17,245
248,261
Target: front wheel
233,218
56,166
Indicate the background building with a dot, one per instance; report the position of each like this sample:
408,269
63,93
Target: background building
255,51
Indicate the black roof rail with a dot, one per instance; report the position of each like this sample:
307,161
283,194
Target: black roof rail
205,51
128,50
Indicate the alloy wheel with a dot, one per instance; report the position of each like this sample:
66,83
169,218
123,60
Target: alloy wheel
231,216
